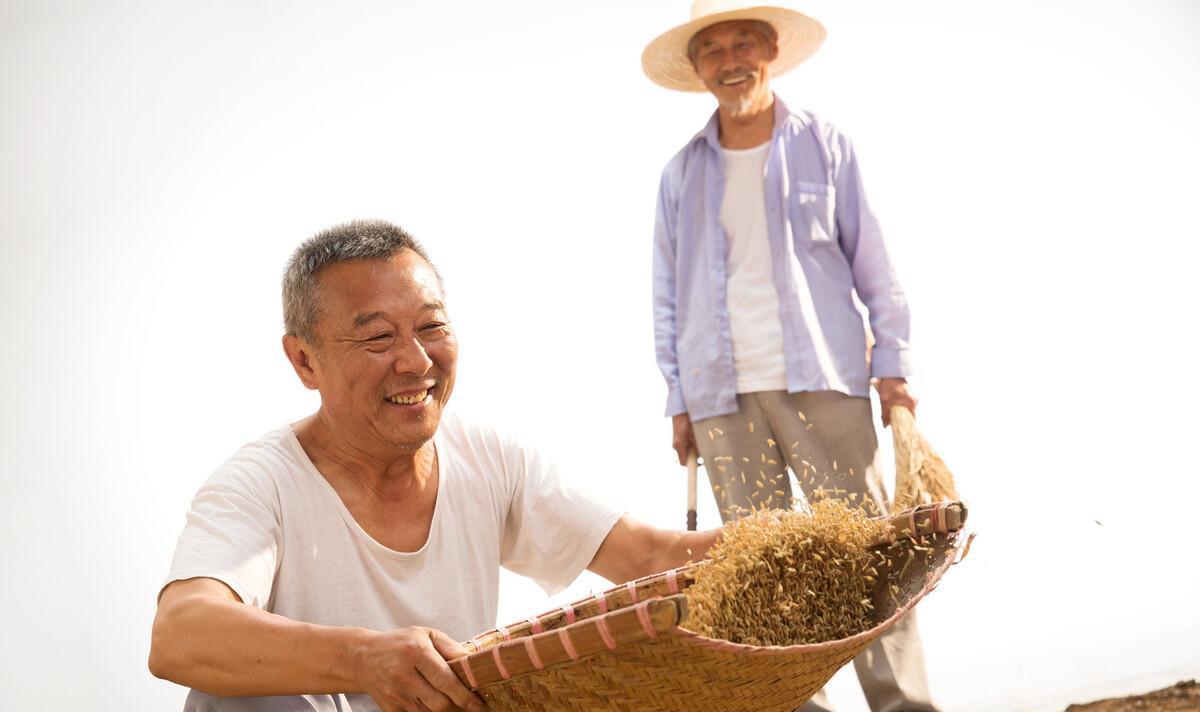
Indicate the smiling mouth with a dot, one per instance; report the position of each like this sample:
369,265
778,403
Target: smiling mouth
408,398
735,79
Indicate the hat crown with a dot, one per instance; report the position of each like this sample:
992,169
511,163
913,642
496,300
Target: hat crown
704,8
665,59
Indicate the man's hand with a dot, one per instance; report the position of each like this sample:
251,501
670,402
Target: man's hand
894,392
204,637
682,438
406,670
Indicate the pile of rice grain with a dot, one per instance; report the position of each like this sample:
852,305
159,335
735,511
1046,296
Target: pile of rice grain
788,578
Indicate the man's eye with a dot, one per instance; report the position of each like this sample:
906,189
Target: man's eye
380,337
433,326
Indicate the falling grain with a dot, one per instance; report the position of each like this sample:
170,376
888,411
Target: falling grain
788,578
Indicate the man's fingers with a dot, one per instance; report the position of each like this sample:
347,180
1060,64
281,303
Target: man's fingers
426,693
448,647
681,448
442,678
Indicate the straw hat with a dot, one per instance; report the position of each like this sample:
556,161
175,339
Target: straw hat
666,62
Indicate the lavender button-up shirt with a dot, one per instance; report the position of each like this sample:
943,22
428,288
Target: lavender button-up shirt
825,247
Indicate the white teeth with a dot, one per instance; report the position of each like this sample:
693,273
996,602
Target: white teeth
408,400
735,80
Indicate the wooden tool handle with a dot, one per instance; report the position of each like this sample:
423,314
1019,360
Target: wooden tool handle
692,466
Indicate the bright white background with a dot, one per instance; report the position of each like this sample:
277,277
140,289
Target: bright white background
1034,165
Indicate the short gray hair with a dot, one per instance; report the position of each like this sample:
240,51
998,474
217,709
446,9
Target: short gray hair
762,27
355,240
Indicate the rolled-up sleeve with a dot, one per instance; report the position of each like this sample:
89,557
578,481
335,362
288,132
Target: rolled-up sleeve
875,279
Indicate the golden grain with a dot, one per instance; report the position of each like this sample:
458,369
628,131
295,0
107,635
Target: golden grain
788,578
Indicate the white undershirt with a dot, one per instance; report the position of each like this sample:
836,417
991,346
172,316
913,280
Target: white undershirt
751,299
271,527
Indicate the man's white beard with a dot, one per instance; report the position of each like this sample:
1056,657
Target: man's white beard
747,104
743,106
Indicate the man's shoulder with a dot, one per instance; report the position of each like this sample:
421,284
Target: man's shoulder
262,462
459,431
693,147
798,121
679,161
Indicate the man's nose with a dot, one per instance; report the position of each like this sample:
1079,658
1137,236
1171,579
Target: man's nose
731,62
410,357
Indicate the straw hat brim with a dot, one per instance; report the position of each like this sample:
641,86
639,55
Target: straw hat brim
665,59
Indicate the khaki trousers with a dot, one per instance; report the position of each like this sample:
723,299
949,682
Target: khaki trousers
828,441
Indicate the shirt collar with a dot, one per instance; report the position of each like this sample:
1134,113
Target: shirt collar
711,131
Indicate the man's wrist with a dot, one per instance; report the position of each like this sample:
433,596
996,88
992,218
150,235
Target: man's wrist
349,668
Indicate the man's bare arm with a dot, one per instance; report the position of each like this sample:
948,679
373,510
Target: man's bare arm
204,637
634,549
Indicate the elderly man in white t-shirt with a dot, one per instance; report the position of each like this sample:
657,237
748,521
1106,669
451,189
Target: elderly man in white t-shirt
332,564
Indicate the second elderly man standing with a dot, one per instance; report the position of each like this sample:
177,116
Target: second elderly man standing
763,238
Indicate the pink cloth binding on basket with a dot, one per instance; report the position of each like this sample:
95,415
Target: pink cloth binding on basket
531,650
605,634
565,638
499,663
466,663
643,614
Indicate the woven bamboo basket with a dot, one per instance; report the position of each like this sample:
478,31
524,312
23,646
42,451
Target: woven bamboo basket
629,647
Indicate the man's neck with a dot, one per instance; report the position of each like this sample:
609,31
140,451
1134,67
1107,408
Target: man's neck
383,470
390,492
748,125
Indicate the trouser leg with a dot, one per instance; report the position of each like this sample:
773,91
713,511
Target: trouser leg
745,467
829,441
892,670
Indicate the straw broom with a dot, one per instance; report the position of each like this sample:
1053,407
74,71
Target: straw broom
921,476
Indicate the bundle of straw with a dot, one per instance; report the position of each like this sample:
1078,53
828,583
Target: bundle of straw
921,476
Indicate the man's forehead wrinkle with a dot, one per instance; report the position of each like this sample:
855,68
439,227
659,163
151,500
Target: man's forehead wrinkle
366,318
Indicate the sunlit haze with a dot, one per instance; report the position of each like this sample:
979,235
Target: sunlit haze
1034,165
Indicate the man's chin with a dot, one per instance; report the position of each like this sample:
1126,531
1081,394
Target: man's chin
742,103
417,435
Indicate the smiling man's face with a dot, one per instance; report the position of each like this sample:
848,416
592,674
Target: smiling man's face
732,59
386,355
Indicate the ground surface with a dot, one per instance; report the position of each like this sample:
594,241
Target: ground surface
1182,697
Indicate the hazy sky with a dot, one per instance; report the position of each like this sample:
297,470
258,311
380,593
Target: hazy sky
1034,164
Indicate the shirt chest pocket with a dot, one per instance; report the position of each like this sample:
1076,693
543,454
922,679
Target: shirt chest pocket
811,211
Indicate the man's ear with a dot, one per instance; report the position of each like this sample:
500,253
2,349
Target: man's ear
300,354
774,50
